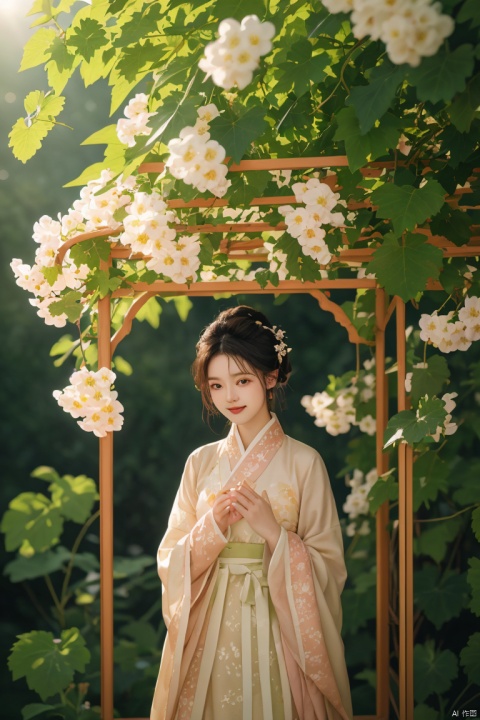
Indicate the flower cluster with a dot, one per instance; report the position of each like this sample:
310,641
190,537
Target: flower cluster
94,209
356,503
135,121
232,59
449,334
305,223
90,397
198,160
410,29
336,409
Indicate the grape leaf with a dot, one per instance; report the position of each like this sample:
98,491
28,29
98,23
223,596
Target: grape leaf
470,658
464,105
430,476
430,380
372,101
301,69
70,304
47,664
40,564
369,146
432,670
440,599
386,488
237,132
35,51
404,268
441,76
33,519
75,496
407,206
26,140
434,541
413,427
89,36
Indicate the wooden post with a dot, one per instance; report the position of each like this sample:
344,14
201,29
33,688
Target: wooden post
382,536
405,537
106,528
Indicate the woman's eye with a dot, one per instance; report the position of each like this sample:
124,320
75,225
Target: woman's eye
215,386
244,381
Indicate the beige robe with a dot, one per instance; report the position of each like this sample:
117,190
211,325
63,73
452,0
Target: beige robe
254,636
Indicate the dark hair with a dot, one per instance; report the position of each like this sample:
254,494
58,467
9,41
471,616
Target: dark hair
238,332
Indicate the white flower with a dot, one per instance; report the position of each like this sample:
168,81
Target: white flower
91,398
368,425
135,121
231,60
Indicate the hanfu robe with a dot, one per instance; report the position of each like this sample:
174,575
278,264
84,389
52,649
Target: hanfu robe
253,635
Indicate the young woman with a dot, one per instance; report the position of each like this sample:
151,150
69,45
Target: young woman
252,562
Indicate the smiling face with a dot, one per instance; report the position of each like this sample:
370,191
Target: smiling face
239,394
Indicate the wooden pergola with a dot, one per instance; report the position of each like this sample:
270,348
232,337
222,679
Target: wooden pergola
249,247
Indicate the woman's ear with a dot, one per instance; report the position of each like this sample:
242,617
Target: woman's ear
271,379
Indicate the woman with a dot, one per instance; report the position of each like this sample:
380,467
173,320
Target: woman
252,562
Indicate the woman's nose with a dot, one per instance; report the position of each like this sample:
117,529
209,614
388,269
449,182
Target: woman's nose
232,393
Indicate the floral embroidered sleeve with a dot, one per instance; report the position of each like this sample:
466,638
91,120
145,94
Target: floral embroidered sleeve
306,574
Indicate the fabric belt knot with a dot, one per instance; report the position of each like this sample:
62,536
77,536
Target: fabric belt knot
254,593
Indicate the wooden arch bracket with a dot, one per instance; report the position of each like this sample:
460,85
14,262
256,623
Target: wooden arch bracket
130,315
340,316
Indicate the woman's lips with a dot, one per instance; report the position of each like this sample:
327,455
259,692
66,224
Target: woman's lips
237,409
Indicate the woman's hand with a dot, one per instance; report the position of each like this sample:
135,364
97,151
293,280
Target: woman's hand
224,512
257,511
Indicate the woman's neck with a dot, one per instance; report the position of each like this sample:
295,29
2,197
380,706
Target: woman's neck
249,431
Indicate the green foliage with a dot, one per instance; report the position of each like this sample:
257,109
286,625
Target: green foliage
28,133
48,664
408,206
432,669
470,658
403,268
439,598
362,147
414,426
429,380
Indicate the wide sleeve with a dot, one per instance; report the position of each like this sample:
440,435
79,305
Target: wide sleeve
189,547
306,575
187,569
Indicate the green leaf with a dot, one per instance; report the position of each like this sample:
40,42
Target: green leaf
358,608
124,567
369,146
139,26
386,488
476,523
440,599
469,471
432,670
91,252
434,540
246,186
38,565
105,136
302,69
75,496
48,665
430,476
413,427
372,101
123,366
237,9
35,51
404,268
32,519
464,105
453,224
407,206
425,712
43,472
92,172
441,76
473,577
470,658
35,709
70,304
89,36
172,117
430,380
183,305
26,140
150,312
236,132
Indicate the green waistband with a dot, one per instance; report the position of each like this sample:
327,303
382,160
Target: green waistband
243,550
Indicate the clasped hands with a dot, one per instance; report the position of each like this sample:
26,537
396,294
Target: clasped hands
242,501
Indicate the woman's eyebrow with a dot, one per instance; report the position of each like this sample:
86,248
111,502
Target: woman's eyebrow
233,375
